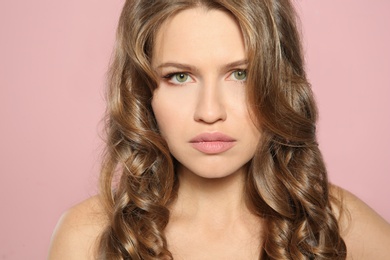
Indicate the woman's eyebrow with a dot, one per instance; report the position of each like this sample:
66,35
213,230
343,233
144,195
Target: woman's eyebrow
188,67
176,65
235,64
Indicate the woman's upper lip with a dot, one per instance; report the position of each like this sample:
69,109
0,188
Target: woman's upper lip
212,137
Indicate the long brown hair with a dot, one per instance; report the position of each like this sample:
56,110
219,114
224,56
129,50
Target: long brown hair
286,183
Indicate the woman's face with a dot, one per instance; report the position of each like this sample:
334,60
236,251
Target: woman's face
200,102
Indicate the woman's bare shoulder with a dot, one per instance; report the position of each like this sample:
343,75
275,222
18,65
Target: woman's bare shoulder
366,233
78,230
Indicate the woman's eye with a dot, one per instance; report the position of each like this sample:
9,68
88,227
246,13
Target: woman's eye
178,78
239,75
181,77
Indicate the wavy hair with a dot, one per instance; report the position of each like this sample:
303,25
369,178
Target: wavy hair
286,183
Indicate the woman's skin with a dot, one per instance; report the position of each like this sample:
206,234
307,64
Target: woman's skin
206,96
199,56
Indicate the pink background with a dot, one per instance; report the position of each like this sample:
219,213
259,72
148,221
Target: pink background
53,58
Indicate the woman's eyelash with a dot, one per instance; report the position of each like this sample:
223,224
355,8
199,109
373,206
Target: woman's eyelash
171,74
178,78
168,76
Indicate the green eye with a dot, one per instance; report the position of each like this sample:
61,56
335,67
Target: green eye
181,77
239,75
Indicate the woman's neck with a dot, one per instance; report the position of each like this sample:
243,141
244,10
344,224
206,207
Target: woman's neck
216,200
210,219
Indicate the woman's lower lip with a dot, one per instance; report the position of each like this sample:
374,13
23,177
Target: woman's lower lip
212,147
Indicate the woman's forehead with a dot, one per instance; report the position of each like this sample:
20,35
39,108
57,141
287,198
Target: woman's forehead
197,34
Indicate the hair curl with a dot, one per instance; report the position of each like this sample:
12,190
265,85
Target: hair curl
287,181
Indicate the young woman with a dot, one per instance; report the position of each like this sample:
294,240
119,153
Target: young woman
211,150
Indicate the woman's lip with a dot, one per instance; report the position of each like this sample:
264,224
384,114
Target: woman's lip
212,137
212,143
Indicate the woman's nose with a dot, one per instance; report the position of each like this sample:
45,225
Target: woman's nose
210,107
